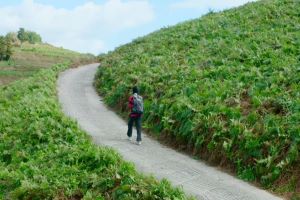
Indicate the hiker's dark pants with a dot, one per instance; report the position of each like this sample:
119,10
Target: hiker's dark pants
138,125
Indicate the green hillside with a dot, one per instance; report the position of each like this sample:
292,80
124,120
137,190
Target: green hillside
27,59
225,87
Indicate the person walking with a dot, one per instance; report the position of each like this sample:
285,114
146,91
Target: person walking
136,111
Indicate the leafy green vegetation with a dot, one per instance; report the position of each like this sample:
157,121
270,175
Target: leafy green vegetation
226,86
29,36
27,59
5,48
13,38
44,155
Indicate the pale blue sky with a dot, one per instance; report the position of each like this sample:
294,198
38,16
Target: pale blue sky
98,26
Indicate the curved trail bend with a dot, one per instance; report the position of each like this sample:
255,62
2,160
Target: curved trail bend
80,101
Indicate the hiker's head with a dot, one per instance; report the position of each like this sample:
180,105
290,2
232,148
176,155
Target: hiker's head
135,90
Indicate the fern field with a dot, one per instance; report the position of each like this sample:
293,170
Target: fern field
226,86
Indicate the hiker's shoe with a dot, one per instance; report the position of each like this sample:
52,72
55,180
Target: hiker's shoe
129,139
138,142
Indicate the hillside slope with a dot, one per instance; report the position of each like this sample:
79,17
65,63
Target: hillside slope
27,59
225,87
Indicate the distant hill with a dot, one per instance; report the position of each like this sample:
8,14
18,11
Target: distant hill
28,58
225,87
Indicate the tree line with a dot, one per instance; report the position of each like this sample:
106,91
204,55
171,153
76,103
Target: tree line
15,39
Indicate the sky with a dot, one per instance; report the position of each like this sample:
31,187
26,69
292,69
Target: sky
99,26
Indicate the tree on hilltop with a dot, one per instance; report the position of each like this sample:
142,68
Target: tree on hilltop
22,35
29,36
33,37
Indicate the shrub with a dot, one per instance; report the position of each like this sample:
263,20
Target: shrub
5,48
13,38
